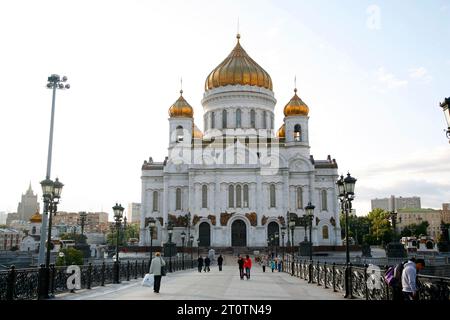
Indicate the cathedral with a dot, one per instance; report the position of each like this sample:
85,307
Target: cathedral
237,183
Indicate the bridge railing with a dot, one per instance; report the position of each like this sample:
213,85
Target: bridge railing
365,282
25,284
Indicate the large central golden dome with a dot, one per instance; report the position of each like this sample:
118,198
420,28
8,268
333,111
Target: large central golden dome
238,68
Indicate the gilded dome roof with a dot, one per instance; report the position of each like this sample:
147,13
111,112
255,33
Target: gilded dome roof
196,132
296,107
238,69
36,218
181,108
281,133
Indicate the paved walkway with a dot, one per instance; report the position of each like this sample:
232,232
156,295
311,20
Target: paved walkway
215,285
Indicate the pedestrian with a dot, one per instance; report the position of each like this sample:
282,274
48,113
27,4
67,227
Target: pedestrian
200,263
219,262
272,265
280,265
156,267
241,267
207,263
409,278
247,266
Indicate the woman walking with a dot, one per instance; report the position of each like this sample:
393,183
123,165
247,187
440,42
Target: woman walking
155,269
200,264
220,262
247,266
272,265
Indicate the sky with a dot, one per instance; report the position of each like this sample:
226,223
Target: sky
372,73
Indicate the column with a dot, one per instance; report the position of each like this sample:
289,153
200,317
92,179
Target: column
258,197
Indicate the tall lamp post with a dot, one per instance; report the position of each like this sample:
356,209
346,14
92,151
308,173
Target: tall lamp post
309,209
53,82
151,226
292,227
191,240
183,236
118,214
277,242
170,231
83,216
283,233
346,194
52,193
446,108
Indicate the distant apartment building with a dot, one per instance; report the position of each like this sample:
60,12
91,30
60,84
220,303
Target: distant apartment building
399,203
3,217
96,222
417,216
134,212
9,238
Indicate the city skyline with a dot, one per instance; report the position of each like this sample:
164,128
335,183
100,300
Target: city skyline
373,94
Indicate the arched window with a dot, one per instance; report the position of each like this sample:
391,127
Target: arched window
325,232
179,134
324,200
33,230
238,197
204,196
264,120
238,118
252,118
245,196
272,196
155,200
231,196
224,119
299,198
178,199
213,120
297,133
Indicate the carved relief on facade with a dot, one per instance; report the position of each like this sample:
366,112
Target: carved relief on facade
317,220
333,221
161,220
224,217
281,220
212,218
178,221
195,219
252,217
264,220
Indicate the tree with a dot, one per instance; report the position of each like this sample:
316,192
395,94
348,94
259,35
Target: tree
79,239
358,227
380,228
71,256
415,230
131,231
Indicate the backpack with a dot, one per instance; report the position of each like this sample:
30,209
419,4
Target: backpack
393,275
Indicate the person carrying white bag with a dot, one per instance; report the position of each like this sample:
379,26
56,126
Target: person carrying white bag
158,269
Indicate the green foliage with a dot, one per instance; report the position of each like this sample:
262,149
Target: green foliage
71,256
14,248
415,230
131,231
81,239
358,228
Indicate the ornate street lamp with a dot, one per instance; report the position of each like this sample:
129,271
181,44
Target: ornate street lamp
83,216
191,240
283,233
346,192
277,242
118,214
292,227
309,209
446,108
151,227
170,232
183,236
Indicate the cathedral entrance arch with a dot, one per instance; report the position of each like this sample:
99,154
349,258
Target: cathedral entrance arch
273,228
238,234
204,234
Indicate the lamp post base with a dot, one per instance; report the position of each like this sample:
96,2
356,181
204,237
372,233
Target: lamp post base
395,250
305,248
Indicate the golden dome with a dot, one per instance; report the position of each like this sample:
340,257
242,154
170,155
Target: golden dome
238,68
281,133
296,107
36,218
196,132
181,108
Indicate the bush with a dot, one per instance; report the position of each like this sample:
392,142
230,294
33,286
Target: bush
14,248
71,256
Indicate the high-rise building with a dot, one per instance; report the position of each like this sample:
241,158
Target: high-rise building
28,206
3,217
399,203
134,212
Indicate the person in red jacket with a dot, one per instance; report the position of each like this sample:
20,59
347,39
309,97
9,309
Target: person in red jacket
247,266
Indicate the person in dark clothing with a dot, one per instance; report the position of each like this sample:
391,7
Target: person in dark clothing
241,267
220,262
207,263
200,264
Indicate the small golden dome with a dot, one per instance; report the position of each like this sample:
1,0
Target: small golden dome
181,108
196,132
296,107
281,133
36,218
238,68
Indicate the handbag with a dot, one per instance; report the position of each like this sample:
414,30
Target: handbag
163,268
148,280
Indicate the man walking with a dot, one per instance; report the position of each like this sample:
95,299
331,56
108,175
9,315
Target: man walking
200,263
409,278
241,267
207,263
220,262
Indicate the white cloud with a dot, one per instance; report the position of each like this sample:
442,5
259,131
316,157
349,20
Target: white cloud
389,80
420,73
